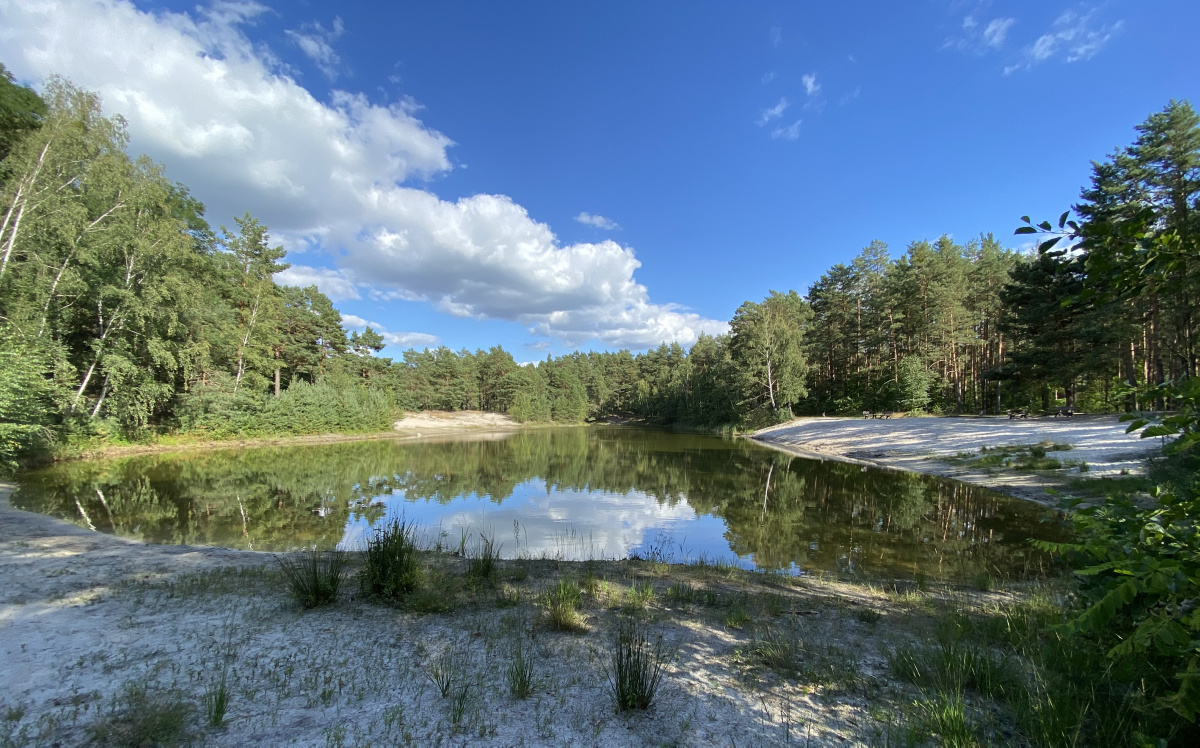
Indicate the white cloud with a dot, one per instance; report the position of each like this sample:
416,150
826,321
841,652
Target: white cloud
399,339
847,98
980,40
231,124
773,112
996,32
791,132
776,36
1073,35
335,284
599,222
316,42
811,87
768,77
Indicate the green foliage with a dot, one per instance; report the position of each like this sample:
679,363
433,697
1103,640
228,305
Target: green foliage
26,401
766,346
392,569
223,410
21,112
1139,571
913,381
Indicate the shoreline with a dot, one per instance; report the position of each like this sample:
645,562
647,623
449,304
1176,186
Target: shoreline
413,426
931,445
85,616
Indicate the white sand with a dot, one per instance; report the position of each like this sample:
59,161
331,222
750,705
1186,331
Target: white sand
83,614
441,421
924,444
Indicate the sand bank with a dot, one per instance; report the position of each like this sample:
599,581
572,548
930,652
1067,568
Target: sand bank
929,445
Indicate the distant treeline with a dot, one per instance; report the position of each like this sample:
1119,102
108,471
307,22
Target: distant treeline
122,312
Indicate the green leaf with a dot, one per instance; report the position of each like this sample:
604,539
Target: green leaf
1048,244
1025,230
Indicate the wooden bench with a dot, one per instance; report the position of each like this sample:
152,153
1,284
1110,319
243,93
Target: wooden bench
1022,413
868,414
1065,412
886,414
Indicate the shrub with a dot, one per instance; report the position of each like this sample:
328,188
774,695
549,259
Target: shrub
392,569
314,577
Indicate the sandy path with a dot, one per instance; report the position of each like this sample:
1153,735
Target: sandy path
924,444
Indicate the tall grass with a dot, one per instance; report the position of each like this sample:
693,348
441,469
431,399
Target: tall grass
519,671
481,563
314,577
562,607
392,567
636,666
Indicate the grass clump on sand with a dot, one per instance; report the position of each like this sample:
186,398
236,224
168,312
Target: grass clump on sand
481,562
519,671
636,667
141,717
314,577
562,607
392,567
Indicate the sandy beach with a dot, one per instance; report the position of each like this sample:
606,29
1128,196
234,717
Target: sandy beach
931,445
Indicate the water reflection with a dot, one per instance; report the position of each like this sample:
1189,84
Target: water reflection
571,493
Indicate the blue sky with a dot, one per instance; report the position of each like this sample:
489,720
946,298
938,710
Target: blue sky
428,164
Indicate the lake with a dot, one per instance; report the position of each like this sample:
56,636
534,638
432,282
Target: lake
567,493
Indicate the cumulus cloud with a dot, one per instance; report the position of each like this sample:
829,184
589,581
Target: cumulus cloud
773,112
335,284
811,87
316,42
1074,36
399,339
599,222
791,132
343,175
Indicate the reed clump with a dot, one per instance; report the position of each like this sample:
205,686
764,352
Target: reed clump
314,577
636,666
392,567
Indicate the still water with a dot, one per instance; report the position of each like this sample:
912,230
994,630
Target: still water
571,493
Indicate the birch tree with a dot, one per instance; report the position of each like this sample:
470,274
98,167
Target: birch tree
767,349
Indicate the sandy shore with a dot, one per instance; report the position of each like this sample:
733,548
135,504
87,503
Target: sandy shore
929,445
84,615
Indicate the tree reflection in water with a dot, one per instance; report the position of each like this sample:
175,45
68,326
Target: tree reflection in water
774,511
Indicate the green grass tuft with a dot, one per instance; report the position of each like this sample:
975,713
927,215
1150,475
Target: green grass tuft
636,666
392,568
314,577
562,607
